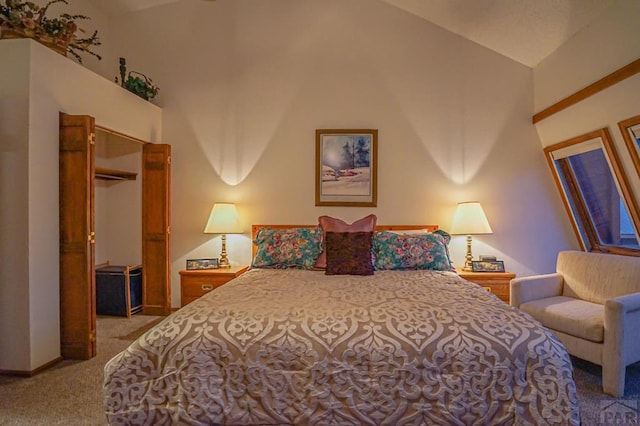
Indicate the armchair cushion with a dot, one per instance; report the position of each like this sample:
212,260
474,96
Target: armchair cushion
572,316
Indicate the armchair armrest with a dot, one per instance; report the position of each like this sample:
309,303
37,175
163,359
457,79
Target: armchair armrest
621,343
622,316
629,303
527,289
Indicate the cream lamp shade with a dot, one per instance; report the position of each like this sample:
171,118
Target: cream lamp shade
469,219
223,219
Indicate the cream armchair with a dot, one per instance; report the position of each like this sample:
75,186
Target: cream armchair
592,303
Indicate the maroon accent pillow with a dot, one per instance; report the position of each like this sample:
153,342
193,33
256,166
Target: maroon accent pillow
349,253
331,224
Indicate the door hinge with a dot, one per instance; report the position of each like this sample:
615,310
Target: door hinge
169,229
169,160
92,138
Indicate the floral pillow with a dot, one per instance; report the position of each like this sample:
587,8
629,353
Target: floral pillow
331,224
412,251
349,253
287,248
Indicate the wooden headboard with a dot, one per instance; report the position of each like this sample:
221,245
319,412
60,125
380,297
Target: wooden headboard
256,228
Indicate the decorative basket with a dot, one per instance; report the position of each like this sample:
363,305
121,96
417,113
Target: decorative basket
56,45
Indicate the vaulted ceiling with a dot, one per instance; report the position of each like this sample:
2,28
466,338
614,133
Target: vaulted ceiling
526,31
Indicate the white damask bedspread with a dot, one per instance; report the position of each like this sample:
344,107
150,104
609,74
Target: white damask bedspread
298,347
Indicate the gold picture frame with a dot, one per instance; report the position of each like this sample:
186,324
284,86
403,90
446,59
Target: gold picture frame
346,167
487,266
199,264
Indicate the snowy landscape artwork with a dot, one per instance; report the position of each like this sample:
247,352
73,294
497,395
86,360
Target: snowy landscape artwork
346,167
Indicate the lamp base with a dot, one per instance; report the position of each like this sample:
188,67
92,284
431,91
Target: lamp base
467,263
224,260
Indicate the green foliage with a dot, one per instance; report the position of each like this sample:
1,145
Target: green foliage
29,20
141,85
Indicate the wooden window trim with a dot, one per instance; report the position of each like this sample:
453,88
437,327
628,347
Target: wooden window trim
631,144
604,83
593,241
581,209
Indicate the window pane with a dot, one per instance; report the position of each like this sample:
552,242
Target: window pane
635,133
626,226
602,201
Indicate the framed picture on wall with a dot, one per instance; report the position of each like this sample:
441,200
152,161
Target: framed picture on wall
346,167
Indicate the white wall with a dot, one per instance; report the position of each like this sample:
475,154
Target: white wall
38,85
609,44
599,49
244,84
14,202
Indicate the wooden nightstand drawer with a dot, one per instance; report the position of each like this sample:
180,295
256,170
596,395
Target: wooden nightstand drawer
495,282
196,283
499,289
195,287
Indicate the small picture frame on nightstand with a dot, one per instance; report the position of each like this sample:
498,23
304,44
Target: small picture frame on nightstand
487,266
203,263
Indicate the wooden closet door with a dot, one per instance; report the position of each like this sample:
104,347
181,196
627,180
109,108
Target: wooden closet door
156,177
77,237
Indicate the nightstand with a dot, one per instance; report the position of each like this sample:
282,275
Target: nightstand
197,282
495,282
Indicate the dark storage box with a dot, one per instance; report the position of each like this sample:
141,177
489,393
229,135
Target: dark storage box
118,290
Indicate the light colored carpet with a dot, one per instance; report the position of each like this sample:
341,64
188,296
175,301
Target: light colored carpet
70,392
598,408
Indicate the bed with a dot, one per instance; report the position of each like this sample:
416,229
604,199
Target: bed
301,346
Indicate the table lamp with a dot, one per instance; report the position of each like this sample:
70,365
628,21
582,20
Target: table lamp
469,219
223,220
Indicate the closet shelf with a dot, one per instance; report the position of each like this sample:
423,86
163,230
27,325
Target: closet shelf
112,174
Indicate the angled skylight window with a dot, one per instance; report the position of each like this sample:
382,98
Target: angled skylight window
596,194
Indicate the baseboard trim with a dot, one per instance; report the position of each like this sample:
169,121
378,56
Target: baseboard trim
27,373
